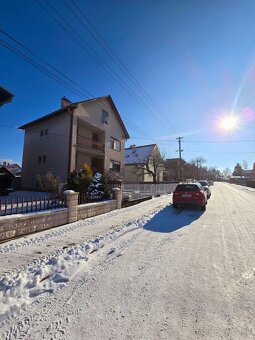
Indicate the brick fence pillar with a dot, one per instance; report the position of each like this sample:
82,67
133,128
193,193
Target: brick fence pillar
72,205
117,194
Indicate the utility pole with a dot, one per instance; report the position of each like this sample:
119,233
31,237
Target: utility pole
197,168
180,156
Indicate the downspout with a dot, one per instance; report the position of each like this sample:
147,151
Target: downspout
70,143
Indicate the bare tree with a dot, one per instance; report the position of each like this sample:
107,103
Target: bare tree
199,161
226,172
172,167
152,165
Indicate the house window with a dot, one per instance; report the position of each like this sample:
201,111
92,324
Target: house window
105,117
44,158
114,165
39,159
41,133
45,132
115,144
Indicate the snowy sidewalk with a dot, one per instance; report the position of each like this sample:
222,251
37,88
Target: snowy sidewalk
18,253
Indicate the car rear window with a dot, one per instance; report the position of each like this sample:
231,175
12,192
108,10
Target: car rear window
187,187
204,183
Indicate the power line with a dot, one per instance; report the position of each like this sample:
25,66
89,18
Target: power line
190,152
101,41
222,141
201,141
54,76
59,80
84,45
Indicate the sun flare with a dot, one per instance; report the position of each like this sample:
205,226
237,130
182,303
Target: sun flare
229,123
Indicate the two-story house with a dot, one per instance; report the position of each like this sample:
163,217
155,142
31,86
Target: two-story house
143,164
90,131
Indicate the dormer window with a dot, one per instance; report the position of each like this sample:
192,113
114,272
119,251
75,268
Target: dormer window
105,117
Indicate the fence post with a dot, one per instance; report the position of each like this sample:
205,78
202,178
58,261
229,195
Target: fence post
117,194
72,205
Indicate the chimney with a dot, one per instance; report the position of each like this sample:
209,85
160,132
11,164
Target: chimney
65,102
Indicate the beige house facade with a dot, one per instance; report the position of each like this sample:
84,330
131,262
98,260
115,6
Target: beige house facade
90,131
136,160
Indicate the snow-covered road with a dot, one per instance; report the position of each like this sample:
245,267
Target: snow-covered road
145,272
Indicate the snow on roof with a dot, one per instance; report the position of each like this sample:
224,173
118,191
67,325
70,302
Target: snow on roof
13,169
138,154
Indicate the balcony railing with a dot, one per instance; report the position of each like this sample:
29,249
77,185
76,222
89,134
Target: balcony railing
90,144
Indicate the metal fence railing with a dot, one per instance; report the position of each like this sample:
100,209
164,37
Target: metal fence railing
83,198
28,205
151,189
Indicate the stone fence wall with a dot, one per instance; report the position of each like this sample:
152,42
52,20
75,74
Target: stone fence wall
93,209
22,224
129,203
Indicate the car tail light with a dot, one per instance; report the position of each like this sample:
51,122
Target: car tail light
198,193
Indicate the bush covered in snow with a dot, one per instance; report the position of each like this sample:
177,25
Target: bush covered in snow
98,189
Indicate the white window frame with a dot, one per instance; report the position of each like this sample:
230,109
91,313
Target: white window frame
115,144
113,164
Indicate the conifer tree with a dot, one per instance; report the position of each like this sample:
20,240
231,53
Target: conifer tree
98,189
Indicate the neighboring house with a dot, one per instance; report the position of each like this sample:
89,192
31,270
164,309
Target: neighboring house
89,131
140,159
14,171
5,96
248,174
172,169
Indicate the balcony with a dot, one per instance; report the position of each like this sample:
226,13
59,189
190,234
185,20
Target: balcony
92,146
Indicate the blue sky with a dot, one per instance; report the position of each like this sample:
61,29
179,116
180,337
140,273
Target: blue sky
195,59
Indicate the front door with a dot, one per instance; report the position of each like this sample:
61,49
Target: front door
97,165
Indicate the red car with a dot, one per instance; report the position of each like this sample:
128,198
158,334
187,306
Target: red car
188,194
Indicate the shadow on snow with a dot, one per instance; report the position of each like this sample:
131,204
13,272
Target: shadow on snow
170,219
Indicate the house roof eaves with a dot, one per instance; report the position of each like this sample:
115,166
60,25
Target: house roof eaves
138,163
118,116
5,96
74,106
142,146
114,109
49,115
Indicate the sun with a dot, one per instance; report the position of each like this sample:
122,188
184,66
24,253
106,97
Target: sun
229,123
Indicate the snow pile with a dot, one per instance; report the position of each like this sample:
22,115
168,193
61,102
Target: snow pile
47,274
